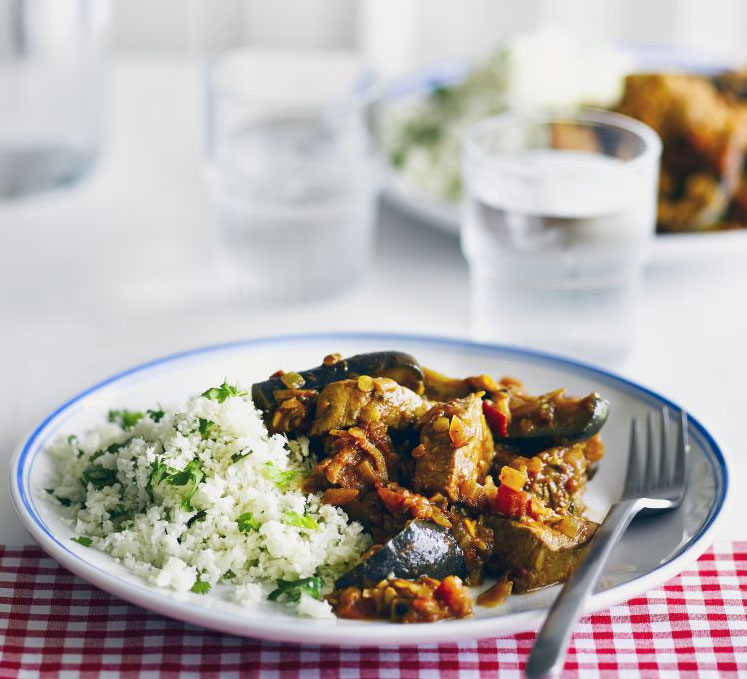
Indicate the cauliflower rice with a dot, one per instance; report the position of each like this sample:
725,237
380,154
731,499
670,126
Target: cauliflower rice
193,497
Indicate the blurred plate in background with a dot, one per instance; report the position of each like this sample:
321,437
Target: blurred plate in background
443,215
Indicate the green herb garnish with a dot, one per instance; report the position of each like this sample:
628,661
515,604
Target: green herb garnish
155,415
199,516
83,540
158,471
282,479
222,392
98,476
126,419
247,522
291,590
301,521
205,427
200,586
119,514
240,456
193,474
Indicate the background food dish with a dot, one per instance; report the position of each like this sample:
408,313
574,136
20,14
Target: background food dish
645,558
421,192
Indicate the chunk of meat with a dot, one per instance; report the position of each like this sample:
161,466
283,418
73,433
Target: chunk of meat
359,458
456,448
348,403
534,554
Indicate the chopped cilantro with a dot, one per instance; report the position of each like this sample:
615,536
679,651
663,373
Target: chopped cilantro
158,471
98,476
305,521
282,479
199,516
200,586
222,392
72,440
247,522
83,540
240,456
155,415
205,427
229,575
291,590
119,514
193,474
126,419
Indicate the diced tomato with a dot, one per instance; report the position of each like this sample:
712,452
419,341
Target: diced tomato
510,502
455,595
497,416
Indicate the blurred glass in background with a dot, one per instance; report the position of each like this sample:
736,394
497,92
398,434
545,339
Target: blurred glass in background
292,169
558,213
52,77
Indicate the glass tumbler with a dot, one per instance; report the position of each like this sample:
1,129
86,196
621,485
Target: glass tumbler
558,214
52,72
291,169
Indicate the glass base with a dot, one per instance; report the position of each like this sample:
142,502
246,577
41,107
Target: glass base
33,170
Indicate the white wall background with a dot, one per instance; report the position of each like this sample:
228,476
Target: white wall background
399,34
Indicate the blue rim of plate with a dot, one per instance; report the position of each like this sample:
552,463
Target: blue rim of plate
713,452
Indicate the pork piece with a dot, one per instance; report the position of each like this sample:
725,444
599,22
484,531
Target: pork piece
557,476
456,448
535,554
348,403
359,458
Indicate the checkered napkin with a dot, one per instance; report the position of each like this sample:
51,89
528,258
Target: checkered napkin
52,624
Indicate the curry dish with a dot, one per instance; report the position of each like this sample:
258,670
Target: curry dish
454,478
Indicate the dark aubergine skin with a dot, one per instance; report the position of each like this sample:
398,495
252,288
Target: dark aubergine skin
586,420
397,365
419,549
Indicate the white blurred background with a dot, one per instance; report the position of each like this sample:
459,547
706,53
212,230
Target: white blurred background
396,35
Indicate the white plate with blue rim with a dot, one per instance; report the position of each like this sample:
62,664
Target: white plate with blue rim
652,551
442,215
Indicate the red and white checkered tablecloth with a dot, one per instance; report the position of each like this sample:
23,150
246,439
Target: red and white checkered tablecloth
52,624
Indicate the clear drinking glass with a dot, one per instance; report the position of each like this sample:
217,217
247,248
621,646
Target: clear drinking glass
52,71
291,168
558,214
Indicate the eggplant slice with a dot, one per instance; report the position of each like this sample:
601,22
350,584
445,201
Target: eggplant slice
577,420
396,365
421,548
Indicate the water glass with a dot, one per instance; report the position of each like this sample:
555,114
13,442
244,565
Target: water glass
52,72
558,215
291,169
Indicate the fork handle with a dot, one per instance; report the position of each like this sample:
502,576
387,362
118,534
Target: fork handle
548,654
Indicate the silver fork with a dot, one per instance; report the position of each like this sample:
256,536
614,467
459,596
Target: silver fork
651,488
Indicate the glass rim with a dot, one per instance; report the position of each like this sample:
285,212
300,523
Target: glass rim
610,119
356,98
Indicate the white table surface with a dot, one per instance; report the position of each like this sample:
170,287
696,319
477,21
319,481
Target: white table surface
121,269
